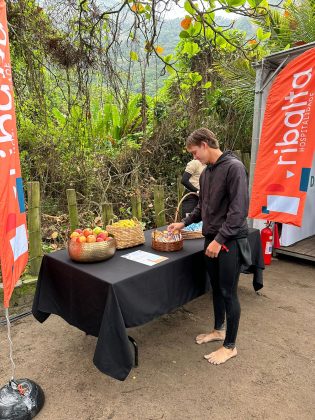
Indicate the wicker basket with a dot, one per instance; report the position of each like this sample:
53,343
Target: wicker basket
91,252
186,234
166,246
127,237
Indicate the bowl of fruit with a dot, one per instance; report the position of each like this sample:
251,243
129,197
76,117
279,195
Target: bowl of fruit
128,232
91,245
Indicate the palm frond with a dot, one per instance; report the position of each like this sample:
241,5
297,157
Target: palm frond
239,81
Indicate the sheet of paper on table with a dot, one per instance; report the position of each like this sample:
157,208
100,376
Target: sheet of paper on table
143,257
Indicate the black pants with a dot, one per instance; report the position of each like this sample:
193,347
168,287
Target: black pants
189,204
224,272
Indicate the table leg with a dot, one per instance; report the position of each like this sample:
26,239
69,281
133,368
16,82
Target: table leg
135,346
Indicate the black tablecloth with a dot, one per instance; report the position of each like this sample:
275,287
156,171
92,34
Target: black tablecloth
105,298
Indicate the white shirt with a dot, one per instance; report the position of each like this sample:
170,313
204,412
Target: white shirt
195,167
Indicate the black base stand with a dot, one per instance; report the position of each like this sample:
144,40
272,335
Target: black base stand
20,399
135,346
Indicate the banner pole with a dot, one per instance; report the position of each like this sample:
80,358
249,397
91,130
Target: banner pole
10,344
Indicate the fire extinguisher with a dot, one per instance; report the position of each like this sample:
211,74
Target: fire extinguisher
266,242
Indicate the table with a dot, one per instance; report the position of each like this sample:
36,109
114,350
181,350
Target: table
104,298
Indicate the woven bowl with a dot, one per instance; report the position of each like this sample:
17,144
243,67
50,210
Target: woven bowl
167,246
192,234
127,237
91,252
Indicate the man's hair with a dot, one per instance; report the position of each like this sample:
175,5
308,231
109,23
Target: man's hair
202,135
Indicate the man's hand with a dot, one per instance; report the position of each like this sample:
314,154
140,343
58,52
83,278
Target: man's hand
175,226
213,249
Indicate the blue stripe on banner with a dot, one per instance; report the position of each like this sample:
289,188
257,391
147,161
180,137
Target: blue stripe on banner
305,176
20,194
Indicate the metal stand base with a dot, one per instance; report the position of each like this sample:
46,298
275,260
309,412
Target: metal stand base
135,346
20,399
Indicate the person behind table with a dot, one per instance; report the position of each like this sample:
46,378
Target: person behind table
190,180
223,207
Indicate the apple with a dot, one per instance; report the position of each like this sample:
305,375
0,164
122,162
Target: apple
97,230
74,234
102,235
91,238
81,238
100,240
87,232
108,238
80,231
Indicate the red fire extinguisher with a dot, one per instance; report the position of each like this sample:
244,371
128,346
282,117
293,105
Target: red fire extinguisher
266,242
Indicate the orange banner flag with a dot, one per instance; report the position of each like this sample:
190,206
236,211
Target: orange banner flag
13,233
287,145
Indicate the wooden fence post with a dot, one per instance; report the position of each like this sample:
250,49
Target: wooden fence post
107,213
136,208
159,205
135,198
246,160
238,153
34,227
73,209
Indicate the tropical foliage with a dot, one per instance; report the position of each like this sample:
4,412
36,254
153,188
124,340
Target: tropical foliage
81,73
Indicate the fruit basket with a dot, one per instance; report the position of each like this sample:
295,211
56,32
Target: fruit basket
91,252
91,245
128,233
166,241
189,233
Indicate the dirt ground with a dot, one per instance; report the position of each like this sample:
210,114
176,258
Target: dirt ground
272,377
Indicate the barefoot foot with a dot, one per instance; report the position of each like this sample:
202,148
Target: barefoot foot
221,355
214,335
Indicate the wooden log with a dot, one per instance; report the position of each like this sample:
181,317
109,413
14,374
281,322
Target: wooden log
34,227
136,207
107,213
72,209
159,205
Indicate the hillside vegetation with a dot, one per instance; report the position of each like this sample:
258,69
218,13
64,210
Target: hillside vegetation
104,92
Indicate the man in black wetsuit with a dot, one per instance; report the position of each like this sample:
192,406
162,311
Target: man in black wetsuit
223,207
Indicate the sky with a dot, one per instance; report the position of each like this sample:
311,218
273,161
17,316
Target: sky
178,12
